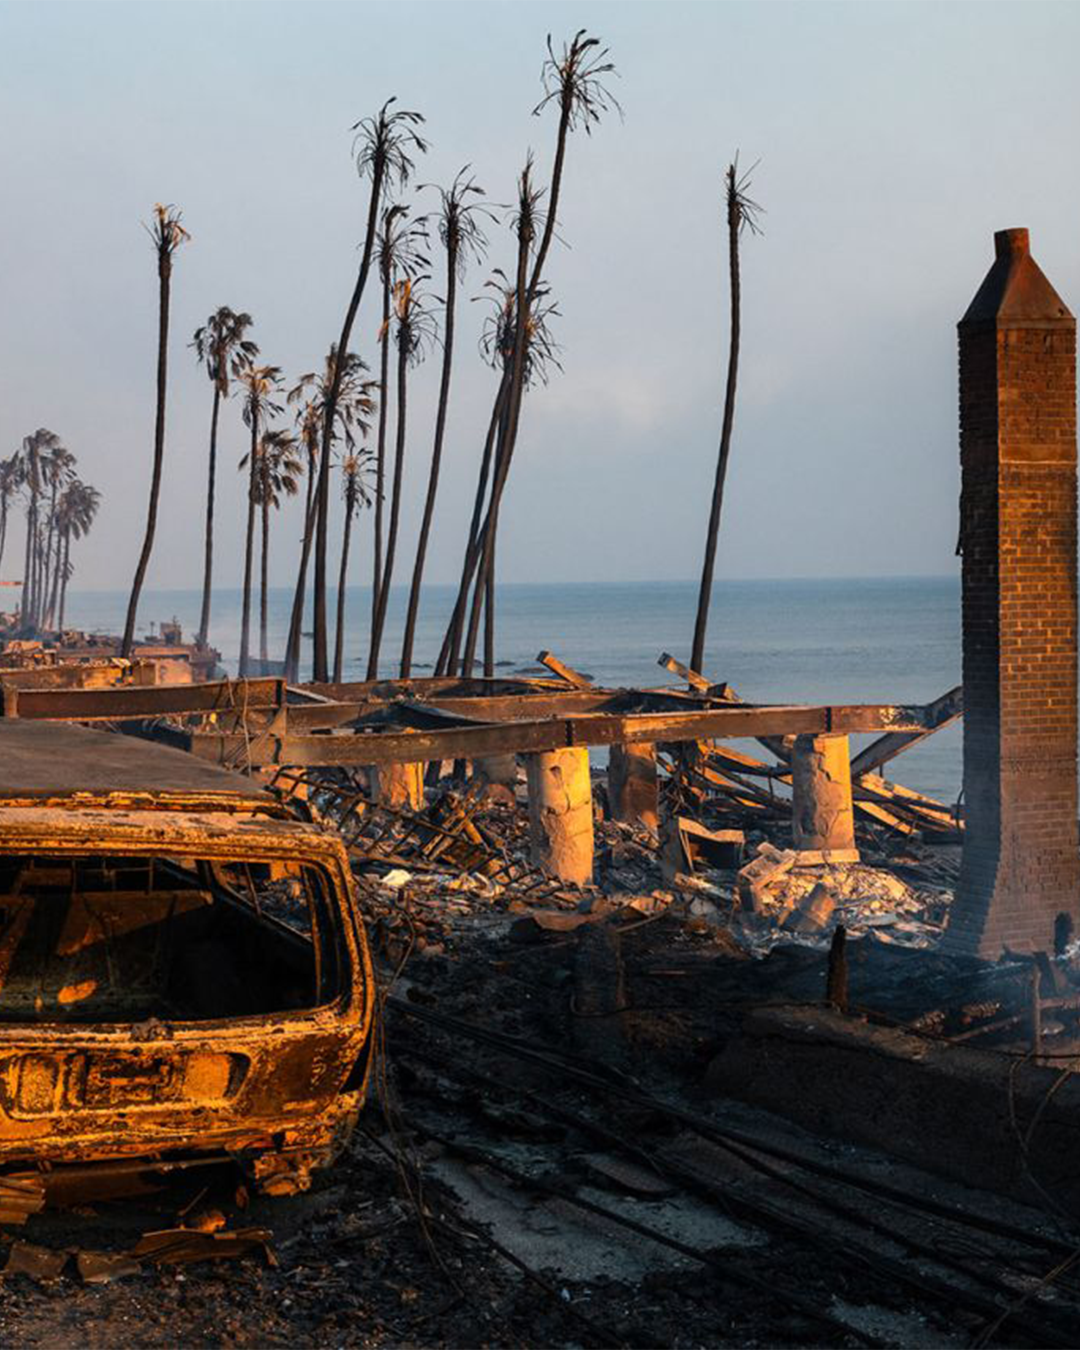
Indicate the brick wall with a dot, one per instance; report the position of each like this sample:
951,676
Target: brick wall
1021,866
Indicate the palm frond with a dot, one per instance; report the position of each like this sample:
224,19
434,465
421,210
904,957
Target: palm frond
575,80
383,145
742,210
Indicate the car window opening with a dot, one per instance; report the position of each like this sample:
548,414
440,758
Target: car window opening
95,938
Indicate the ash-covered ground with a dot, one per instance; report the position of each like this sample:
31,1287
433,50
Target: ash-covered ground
543,1161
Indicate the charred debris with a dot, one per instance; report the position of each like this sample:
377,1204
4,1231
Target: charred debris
684,1014
436,1028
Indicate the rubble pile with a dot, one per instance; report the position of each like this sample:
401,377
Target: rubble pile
782,891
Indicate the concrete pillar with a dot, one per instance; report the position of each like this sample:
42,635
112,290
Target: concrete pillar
822,817
398,785
1020,877
561,813
632,784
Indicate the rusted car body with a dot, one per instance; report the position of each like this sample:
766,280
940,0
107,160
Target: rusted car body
183,970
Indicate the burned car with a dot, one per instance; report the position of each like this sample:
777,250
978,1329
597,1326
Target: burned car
184,976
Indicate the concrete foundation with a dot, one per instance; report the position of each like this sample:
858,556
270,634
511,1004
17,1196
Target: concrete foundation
823,818
632,785
398,785
561,813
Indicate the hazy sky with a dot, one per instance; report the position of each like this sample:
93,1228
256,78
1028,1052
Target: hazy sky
893,140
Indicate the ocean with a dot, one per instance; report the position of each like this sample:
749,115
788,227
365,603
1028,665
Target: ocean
882,640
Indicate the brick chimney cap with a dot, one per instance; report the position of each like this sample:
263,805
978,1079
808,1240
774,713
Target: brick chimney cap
1011,243
1015,293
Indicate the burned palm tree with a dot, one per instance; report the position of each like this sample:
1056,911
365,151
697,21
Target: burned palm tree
513,348
530,348
461,236
10,481
261,387
742,213
414,331
220,346
58,469
397,255
76,510
384,147
36,449
353,409
167,234
277,474
499,346
309,434
575,82
353,469
497,343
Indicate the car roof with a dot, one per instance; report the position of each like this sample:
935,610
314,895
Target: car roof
57,759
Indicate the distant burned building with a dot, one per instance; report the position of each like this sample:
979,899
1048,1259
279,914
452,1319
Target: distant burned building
1020,881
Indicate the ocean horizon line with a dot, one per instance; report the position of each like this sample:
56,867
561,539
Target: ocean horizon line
540,585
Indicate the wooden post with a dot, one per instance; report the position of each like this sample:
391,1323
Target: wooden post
836,980
561,813
632,784
822,818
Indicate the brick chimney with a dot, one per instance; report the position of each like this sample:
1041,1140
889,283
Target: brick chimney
1020,879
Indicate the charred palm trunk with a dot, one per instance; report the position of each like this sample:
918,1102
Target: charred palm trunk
28,561
39,575
35,570
245,620
380,448
323,515
48,562
395,505
339,644
164,278
296,618
522,296
697,654
3,526
45,571
264,653
54,582
525,295
66,574
489,618
35,573
451,646
208,549
524,301
436,462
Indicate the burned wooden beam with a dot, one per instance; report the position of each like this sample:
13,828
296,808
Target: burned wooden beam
132,701
537,736
308,709
724,692
940,713
428,686
564,672
692,677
